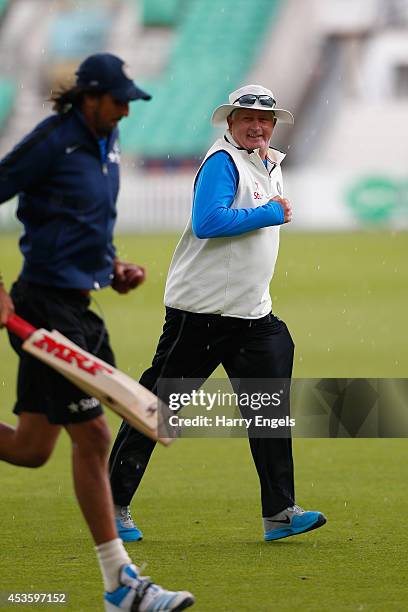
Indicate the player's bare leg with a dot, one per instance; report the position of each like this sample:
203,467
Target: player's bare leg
30,443
125,588
90,447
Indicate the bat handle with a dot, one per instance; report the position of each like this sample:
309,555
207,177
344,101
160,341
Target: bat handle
18,326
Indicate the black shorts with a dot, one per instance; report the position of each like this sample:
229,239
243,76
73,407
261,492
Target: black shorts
40,389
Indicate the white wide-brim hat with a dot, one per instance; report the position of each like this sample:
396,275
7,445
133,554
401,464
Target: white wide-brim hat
221,113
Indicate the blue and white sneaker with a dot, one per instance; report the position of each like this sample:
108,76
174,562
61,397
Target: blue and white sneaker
127,530
292,521
137,594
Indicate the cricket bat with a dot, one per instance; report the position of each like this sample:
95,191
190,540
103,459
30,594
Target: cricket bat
113,388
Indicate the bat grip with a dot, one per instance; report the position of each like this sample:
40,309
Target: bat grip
18,326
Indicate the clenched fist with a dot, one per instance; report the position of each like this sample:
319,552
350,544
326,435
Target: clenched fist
287,208
127,276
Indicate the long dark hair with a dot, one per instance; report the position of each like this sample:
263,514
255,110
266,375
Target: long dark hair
66,98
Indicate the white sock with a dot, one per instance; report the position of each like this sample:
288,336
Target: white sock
111,556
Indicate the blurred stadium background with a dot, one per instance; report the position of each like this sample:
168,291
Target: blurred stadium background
341,271
344,76
341,284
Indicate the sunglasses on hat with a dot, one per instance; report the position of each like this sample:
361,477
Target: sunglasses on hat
250,99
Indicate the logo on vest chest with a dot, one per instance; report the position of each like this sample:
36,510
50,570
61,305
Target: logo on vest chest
257,195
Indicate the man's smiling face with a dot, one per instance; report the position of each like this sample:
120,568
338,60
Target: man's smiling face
251,129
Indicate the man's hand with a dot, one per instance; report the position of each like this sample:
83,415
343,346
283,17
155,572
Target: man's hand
6,306
127,276
287,208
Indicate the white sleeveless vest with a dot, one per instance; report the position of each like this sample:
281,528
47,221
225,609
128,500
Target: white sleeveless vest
230,276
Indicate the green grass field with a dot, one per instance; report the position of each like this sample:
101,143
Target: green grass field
344,298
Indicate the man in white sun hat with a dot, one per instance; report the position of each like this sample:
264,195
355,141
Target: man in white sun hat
218,307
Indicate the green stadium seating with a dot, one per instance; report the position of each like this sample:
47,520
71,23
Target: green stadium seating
8,91
3,6
159,12
216,45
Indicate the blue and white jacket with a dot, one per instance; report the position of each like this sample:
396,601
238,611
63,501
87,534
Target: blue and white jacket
67,190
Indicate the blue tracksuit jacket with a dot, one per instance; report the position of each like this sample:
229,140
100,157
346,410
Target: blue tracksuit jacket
67,193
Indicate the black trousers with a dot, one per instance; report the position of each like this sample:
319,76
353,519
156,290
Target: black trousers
192,346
